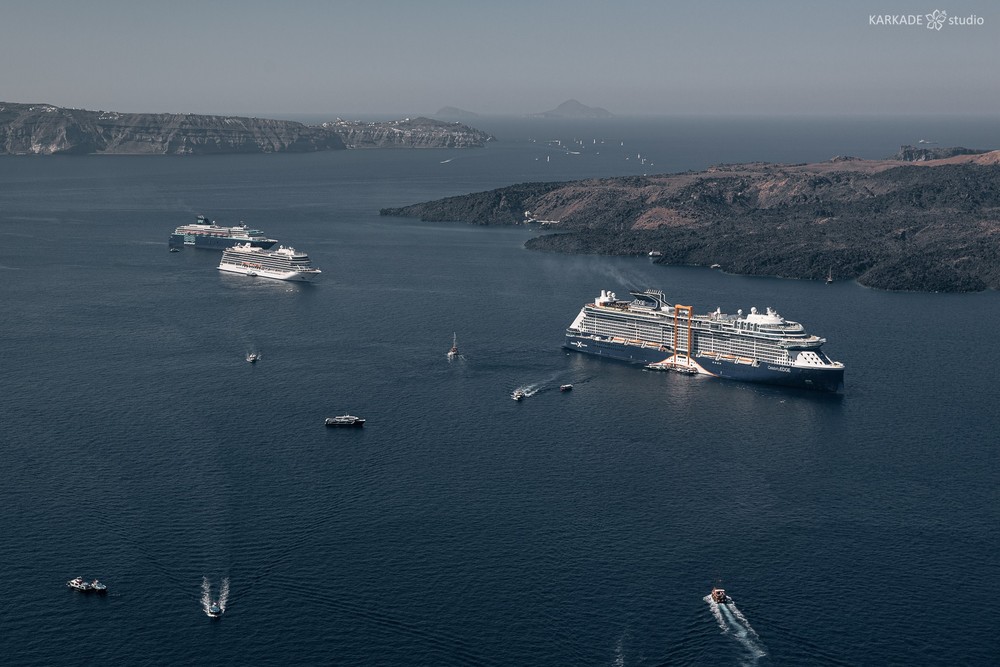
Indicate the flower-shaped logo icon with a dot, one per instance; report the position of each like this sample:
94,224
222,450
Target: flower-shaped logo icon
937,19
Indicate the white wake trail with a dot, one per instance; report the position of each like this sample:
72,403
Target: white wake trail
224,594
206,594
732,622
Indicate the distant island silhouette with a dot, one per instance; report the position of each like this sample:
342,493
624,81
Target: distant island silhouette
454,113
574,109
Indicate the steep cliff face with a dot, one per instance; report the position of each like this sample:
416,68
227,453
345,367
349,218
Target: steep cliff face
408,133
925,153
888,224
42,129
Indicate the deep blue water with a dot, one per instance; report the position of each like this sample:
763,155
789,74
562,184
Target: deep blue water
459,527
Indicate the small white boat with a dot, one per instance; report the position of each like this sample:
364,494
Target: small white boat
214,610
97,587
252,357
345,420
565,387
517,395
79,584
453,352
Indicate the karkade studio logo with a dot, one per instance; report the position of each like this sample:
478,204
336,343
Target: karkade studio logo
933,21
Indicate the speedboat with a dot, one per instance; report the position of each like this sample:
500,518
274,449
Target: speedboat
345,420
79,584
565,387
517,395
98,587
719,596
453,352
252,357
214,610
175,250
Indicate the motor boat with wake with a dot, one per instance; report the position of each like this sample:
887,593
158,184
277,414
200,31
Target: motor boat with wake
719,596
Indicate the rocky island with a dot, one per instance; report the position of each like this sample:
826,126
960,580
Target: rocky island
43,129
573,109
918,221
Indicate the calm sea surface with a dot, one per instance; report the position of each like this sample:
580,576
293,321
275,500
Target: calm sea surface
459,527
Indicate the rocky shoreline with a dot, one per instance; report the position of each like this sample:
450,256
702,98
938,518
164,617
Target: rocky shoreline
43,129
930,225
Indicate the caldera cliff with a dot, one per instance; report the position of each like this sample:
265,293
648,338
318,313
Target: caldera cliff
43,129
932,225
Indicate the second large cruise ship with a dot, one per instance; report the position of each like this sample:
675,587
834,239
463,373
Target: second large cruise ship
281,264
205,234
756,347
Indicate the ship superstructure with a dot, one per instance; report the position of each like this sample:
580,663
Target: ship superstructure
755,347
285,263
206,234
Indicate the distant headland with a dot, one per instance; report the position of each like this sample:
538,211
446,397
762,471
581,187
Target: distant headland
573,109
43,129
922,220
568,110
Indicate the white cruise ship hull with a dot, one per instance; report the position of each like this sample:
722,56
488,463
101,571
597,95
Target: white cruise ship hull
299,276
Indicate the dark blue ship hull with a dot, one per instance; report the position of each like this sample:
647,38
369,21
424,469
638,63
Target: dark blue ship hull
214,242
822,379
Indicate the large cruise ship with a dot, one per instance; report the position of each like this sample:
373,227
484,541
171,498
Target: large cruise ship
206,234
281,264
756,347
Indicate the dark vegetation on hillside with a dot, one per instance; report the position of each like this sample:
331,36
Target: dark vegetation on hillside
888,225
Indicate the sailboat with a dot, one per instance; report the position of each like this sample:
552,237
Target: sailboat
453,352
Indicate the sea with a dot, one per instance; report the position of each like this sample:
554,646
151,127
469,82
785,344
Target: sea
460,527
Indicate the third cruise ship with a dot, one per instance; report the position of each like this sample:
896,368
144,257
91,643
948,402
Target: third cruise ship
756,347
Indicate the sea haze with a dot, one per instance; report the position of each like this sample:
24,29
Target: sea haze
460,527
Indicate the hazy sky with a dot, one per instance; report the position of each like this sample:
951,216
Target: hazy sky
348,58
